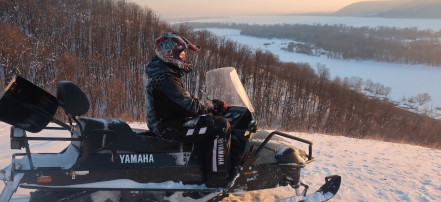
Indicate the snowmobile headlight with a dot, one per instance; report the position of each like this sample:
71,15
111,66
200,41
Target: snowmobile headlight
289,155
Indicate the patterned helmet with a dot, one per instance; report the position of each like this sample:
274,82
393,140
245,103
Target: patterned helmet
169,46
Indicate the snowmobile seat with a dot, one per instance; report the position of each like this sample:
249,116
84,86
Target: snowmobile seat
145,133
116,135
27,106
72,98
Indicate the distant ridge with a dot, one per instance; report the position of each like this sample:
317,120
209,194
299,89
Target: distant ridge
393,9
367,8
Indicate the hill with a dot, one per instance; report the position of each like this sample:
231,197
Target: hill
104,45
395,9
366,8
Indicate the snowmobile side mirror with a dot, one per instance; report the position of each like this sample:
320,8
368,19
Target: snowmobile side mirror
252,126
72,98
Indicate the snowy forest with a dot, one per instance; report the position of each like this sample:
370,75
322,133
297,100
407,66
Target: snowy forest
103,46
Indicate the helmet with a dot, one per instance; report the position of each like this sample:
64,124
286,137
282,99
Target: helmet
169,46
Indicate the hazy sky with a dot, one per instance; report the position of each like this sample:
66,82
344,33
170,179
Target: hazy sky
192,8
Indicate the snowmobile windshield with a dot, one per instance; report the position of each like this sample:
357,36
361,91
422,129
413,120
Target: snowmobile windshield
224,84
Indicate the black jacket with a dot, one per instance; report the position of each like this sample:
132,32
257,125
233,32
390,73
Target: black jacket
168,103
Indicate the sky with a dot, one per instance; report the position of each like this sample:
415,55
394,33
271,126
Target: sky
212,8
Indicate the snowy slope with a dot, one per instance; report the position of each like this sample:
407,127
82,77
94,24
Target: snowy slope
370,170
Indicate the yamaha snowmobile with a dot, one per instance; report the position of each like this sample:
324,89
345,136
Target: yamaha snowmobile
107,154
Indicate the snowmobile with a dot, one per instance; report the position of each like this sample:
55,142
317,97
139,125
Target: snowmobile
107,154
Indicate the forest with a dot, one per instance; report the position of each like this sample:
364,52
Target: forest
383,44
104,45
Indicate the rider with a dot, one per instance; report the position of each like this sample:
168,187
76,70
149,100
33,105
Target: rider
175,115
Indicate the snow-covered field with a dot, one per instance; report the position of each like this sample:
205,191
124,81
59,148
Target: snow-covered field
371,170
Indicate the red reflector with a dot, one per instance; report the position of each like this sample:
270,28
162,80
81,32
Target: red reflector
249,172
44,179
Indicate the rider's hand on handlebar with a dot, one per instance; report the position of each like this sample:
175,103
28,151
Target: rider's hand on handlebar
219,106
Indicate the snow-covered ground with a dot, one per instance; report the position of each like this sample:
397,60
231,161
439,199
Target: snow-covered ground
404,80
371,170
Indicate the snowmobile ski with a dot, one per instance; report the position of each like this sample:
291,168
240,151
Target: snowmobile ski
324,193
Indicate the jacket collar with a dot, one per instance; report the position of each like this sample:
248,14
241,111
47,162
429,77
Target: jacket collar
157,66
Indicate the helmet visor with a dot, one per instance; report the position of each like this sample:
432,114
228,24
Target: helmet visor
191,45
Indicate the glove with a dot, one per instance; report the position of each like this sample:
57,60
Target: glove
219,106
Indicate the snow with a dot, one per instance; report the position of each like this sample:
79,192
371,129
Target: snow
371,170
64,160
313,197
109,196
405,80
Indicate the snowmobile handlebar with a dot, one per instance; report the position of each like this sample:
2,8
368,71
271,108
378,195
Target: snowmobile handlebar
267,139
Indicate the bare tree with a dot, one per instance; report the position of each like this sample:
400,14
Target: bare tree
423,98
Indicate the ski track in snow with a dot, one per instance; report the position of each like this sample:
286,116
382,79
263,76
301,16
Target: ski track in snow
371,170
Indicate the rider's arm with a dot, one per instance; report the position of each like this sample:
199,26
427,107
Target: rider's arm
174,91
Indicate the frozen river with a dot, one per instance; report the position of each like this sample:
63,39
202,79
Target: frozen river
422,24
405,80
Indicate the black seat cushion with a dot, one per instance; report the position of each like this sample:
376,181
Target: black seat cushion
72,98
116,135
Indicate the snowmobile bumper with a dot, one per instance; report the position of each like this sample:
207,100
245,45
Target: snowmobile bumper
254,154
